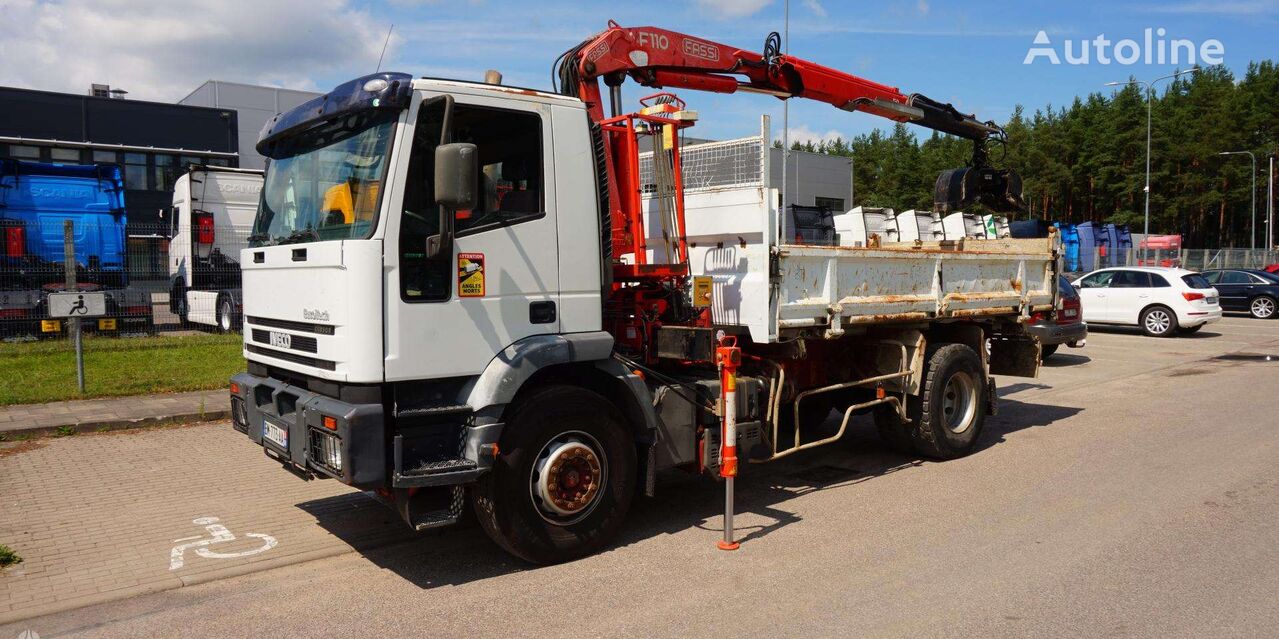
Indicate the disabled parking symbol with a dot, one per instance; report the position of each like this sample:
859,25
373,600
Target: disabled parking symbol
218,534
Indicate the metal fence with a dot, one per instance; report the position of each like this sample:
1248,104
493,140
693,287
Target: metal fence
1191,259
154,277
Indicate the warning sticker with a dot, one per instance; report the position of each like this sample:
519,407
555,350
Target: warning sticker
470,275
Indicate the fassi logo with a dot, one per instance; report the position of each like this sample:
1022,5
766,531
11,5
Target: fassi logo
699,49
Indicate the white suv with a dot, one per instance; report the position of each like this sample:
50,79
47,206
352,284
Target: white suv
1162,301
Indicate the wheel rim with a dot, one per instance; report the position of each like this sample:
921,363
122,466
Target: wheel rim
568,478
1158,321
1263,307
959,402
225,320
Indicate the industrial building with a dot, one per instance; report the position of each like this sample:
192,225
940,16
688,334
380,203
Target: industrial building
253,105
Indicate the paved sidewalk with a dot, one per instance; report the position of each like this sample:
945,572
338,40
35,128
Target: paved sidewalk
96,517
111,413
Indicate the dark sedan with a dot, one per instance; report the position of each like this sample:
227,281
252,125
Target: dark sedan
1065,326
1251,290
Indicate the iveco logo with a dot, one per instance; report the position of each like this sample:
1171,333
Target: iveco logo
315,316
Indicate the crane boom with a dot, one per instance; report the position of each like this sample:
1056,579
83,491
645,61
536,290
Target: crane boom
660,58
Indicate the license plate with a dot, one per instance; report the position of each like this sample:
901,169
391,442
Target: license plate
276,434
106,324
1211,300
281,340
50,326
1070,312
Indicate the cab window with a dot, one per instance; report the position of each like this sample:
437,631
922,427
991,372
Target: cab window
510,182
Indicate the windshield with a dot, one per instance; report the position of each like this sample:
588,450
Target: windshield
325,183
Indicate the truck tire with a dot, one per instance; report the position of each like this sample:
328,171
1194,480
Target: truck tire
183,309
226,315
564,478
1159,321
948,414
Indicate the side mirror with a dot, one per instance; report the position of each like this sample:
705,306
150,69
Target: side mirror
456,177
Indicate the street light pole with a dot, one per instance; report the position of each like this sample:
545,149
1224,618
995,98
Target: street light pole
1150,96
1253,224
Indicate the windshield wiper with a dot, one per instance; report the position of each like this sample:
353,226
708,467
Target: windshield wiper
301,235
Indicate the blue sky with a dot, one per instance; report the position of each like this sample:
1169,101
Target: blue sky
969,53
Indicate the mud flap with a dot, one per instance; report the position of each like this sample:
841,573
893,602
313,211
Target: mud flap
1015,356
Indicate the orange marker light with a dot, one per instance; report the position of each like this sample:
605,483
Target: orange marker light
329,422
235,388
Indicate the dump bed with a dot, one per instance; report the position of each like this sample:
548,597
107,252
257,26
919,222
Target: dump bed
772,288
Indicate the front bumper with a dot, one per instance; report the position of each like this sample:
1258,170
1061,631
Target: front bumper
353,451
1053,333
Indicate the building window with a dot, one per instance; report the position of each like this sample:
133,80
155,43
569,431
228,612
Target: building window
65,155
105,157
135,171
188,160
830,203
166,171
24,152
219,162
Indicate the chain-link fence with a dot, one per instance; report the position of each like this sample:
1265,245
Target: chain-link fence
1191,259
153,277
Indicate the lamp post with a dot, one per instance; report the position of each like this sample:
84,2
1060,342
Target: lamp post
1270,206
1150,95
1253,224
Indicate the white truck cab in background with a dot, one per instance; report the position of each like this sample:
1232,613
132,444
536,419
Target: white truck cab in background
211,217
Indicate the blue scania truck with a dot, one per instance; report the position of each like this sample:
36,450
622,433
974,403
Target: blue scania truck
35,201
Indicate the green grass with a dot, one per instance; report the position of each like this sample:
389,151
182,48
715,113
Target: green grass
8,557
37,372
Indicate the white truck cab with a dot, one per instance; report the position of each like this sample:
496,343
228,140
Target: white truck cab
212,213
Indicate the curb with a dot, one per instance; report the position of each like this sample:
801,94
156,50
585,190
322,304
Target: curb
102,426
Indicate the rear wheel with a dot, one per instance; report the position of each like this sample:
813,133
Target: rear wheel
948,414
564,479
1262,307
183,310
1046,351
1159,321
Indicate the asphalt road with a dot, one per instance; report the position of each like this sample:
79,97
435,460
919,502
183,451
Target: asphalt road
1131,491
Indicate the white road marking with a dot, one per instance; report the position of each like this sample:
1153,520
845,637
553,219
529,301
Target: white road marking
217,534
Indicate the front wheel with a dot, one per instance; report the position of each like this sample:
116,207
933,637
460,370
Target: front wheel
948,414
1262,307
564,479
1158,321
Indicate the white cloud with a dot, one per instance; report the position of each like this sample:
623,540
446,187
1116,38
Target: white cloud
728,9
163,50
803,133
816,7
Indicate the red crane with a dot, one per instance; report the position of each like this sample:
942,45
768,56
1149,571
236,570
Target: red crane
663,59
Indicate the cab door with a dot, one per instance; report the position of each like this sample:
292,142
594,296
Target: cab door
451,315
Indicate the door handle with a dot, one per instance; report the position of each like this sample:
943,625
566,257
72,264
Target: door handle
541,312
